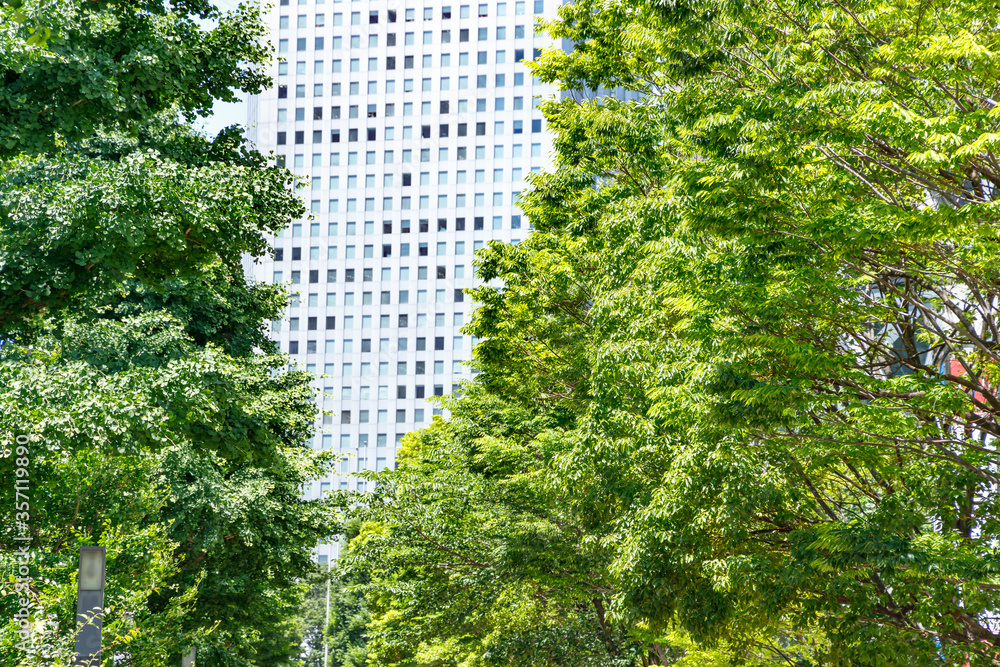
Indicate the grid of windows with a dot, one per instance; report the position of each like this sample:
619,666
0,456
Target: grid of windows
414,130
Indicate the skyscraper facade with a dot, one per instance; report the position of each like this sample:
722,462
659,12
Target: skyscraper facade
413,127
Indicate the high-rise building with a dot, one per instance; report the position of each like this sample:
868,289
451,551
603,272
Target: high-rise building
413,126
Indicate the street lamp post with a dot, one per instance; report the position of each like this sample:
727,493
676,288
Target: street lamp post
90,605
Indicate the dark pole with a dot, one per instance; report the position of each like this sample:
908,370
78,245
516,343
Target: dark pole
90,605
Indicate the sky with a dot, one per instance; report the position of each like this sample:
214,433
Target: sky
224,114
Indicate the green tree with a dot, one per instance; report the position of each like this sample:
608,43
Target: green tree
136,429
792,222
349,614
162,422
114,64
100,183
762,287
162,207
311,618
476,556
345,637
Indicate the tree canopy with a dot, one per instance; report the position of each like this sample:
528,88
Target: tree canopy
759,307
114,64
101,181
161,421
